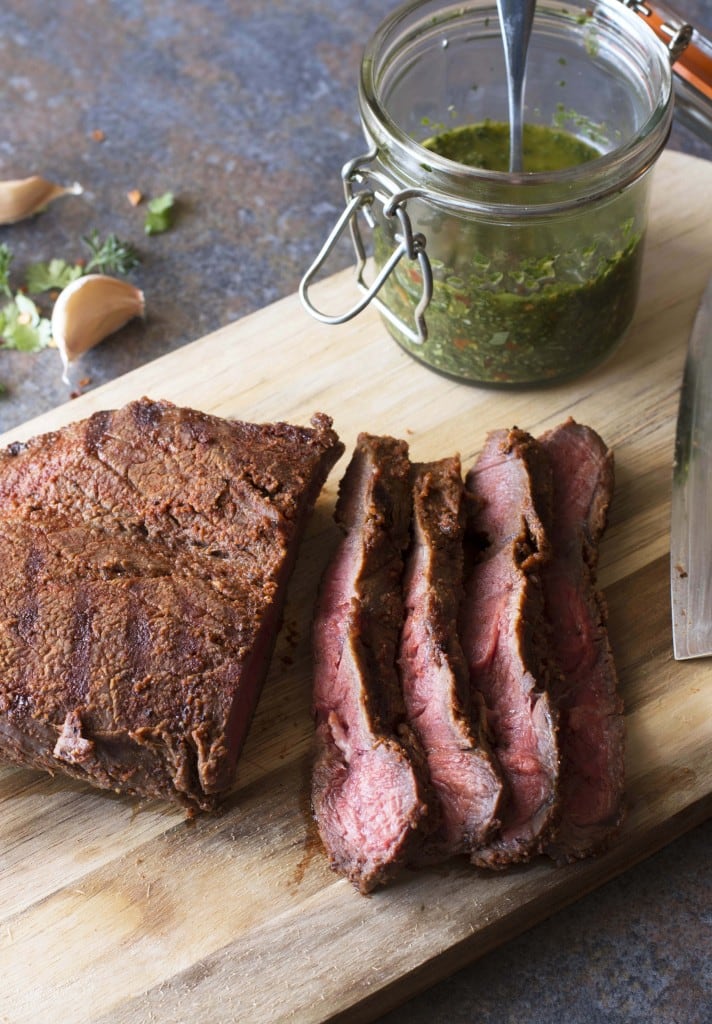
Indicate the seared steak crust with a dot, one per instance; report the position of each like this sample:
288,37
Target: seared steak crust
433,669
585,689
504,638
144,555
369,789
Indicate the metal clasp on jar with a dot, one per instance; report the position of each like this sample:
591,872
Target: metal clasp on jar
374,187
676,34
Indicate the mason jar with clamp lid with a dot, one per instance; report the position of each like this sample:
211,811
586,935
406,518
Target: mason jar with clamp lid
499,278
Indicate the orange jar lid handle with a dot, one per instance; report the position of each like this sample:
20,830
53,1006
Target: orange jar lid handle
691,52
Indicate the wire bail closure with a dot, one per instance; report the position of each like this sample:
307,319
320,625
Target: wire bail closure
677,37
409,245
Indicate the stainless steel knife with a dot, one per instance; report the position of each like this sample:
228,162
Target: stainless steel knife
691,516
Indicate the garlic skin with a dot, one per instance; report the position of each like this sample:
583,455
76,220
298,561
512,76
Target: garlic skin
23,197
89,310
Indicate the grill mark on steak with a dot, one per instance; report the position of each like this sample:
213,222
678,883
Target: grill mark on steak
586,690
78,670
148,652
433,668
503,632
369,783
137,638
27,613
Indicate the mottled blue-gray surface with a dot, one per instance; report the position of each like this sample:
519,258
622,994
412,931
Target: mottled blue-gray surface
636,951
247,111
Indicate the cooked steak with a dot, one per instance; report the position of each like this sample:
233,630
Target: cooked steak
144,556
369,785
591,734
434,673
504,637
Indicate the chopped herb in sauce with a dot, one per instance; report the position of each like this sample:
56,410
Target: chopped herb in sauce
518,304
486,146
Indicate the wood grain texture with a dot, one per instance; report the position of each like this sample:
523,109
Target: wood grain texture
121,912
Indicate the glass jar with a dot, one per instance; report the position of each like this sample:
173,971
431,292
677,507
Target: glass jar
499,278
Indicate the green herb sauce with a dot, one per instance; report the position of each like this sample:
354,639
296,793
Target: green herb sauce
512,304
486,146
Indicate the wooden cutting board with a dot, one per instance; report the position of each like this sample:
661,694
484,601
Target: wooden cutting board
119,912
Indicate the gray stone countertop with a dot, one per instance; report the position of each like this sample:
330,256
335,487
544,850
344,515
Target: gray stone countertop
246,110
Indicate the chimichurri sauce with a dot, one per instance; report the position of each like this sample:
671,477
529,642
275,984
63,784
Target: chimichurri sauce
519,303
486,145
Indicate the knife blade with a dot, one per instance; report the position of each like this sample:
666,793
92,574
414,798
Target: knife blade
691,511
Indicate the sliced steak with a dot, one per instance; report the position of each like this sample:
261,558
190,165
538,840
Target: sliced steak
504,637
585,691
433,669
369,786
144,557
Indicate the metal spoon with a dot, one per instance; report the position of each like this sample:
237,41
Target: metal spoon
515,22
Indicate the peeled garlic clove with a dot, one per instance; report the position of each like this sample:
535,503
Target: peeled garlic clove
22,197
89,310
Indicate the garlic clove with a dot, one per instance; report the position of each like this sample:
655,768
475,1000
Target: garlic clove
89,310
22,197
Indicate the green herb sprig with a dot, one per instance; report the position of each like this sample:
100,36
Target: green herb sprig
22,325
160,214
110,256
6,258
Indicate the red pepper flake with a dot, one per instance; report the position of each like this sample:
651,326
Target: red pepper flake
83,383
98,135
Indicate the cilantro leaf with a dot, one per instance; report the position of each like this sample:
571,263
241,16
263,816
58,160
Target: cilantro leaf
22,327
110,255
160,214
5,261
56,274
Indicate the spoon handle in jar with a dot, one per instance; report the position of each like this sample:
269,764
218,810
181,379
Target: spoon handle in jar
515,19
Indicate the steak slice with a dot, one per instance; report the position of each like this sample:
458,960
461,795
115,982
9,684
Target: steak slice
586,691
144,557
504,638
369,783
433,669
